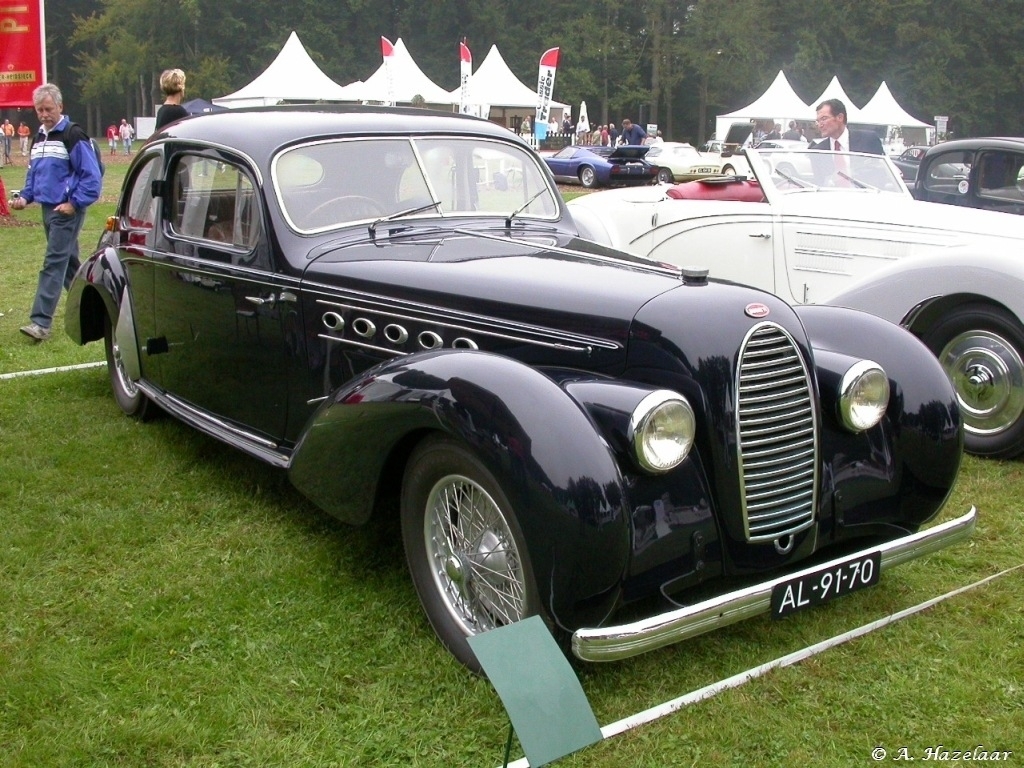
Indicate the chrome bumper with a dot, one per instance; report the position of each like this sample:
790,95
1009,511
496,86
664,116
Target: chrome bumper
625,640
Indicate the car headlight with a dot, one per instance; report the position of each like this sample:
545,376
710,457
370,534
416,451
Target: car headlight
863,395
661,430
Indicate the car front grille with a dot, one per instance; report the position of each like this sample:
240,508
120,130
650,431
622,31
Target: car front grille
777,431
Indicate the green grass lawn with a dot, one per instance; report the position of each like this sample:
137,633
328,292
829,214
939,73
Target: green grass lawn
167,601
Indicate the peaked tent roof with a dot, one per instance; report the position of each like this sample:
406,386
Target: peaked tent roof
835,91
779,101
407,80
292,76
882,109
495,84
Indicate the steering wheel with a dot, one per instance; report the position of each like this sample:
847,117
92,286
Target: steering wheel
344,208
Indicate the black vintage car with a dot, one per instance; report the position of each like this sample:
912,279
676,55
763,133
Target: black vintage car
395,307
979,173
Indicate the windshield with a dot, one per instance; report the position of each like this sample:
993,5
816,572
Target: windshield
801,170
329,184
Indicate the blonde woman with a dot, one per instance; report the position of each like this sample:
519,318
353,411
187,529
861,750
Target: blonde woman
172,84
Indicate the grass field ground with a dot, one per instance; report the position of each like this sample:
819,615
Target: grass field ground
167,601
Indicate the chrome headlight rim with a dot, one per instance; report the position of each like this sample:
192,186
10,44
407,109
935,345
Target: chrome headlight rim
856,414
644,421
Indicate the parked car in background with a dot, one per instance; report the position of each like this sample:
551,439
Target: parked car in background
908,161
977,173
602,166
729,150
678,161
817,227
393,306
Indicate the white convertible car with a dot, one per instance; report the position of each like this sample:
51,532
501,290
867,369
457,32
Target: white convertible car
842,229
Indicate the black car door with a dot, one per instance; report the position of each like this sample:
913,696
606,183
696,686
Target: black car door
219,308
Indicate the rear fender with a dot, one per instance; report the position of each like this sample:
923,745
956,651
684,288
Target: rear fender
95,293
550,458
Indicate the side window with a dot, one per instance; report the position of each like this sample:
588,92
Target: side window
215,201
949,173
141,209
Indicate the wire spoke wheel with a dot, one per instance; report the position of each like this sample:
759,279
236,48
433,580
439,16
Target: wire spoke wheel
466,552
475,562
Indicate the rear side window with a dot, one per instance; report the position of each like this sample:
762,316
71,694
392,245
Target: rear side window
999,175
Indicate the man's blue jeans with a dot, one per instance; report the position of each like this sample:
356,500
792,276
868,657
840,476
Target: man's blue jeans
60,263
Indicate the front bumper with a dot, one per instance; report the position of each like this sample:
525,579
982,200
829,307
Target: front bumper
624,640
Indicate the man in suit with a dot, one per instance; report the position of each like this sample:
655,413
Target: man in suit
836,171
836,136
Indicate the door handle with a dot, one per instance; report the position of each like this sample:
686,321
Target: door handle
261,301
761,236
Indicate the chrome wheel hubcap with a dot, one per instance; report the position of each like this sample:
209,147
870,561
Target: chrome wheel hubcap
988,376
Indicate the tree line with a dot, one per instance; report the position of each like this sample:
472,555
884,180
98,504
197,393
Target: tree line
677,64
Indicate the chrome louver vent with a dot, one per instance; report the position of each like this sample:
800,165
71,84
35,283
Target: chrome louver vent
777,431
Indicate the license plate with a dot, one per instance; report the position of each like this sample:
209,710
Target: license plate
825,584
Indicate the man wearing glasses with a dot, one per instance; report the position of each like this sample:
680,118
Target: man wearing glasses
837,137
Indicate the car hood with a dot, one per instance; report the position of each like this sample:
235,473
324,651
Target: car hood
956,223
629,152
555,290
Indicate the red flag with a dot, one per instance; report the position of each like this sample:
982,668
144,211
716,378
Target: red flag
388,52
465,70
23,42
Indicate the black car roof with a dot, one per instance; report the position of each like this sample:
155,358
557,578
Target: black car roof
981,142
266,128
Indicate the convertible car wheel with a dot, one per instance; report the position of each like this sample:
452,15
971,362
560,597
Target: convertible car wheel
981,349
665,176
588,178
465,552
129,397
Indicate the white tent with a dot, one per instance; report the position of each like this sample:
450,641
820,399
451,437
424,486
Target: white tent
835,91
494,84
779,103
401,80
882,109
292,76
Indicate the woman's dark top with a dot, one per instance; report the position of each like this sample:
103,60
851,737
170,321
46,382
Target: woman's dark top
168,113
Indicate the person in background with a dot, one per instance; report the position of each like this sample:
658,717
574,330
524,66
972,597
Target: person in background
64,178
632,134
837,137
112,136
793,134
127,133
613,135
8,139
24,134
172,85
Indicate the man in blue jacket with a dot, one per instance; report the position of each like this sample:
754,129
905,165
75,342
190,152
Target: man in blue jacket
64,178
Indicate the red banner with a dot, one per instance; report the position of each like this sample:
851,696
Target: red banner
23,61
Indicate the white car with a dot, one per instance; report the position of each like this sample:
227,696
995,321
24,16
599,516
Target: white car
818,227
679,161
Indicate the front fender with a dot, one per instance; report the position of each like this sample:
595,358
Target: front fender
895,291
559,473
923,443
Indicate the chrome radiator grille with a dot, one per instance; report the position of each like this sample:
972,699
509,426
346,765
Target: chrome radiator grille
777,431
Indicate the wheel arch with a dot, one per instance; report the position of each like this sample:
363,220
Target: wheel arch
926,313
